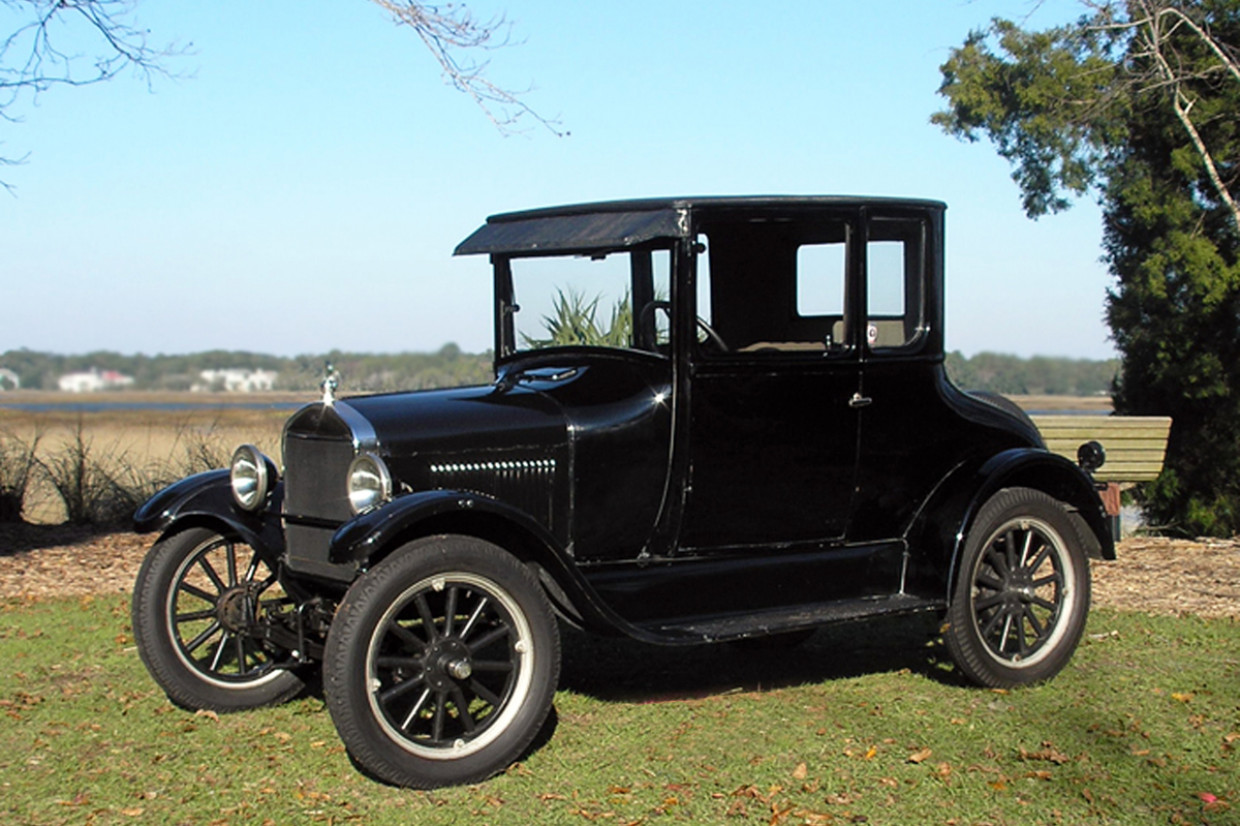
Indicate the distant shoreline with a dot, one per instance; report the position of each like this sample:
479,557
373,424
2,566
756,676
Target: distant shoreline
26,398
118,400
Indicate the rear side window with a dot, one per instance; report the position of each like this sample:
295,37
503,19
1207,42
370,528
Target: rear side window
895,270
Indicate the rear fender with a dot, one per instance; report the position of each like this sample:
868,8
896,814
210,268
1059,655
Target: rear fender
205,500
939,535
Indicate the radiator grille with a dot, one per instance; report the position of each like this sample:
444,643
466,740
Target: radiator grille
315,478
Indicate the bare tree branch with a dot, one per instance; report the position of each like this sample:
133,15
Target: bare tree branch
32,59
71,43
449,32
82,42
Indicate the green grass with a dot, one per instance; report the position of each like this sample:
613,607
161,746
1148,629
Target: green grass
863,724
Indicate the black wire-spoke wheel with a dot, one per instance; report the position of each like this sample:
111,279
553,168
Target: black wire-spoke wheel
197,600
1022,591
441,663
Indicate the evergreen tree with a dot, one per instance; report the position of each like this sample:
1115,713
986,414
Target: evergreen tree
1138,102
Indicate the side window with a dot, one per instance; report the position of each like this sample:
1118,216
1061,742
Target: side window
822,275
820,279
895,267
774,286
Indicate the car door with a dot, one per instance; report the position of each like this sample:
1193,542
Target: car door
773,418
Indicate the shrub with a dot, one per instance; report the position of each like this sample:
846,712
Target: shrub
17,466
96,488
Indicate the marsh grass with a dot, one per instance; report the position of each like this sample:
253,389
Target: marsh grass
96,468
863,724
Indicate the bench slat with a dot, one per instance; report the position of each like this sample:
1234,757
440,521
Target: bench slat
1136,445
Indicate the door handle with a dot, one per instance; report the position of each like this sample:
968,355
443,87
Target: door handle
859,400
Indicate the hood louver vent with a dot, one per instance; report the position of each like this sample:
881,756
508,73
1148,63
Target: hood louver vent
526,484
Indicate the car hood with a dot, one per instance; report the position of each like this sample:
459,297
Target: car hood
458,421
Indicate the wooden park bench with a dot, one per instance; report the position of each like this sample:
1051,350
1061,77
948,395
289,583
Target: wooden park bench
1135,447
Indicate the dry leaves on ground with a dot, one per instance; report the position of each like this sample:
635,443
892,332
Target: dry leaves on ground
1154,575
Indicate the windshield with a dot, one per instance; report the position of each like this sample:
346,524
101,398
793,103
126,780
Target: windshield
616,300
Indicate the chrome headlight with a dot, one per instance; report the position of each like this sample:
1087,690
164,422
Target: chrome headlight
370,484
251,475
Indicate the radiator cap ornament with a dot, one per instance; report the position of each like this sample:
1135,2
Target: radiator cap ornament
331,380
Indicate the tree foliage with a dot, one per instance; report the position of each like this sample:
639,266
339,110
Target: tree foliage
1037,376
362,372
1137,102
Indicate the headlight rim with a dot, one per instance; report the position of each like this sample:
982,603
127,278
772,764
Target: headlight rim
380,472
263,477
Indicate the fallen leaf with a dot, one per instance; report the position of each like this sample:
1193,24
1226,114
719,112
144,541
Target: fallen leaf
778,815
210,715
1048,753
1206,797
800,772
1182,696
920,756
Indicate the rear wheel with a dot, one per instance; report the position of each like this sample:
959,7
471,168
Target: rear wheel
441,663
197,598
1021,593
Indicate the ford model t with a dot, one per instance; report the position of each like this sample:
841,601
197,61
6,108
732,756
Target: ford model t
712,419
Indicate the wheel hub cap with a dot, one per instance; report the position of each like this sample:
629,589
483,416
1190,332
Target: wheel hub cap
235,609
446,661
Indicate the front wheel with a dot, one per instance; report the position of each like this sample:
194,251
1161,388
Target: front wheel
197,599
441,663
1021,592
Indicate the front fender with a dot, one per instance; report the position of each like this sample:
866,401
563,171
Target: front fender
940,535
359,540
205,499
367,539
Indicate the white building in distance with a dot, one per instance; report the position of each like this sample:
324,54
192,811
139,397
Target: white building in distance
93,381
236,380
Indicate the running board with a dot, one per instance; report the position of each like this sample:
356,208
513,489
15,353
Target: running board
721,628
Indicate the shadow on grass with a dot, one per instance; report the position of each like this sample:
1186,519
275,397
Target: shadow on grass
624,670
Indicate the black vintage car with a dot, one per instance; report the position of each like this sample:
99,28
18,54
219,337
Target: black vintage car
712,419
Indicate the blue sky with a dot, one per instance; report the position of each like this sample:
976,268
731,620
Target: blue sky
302,186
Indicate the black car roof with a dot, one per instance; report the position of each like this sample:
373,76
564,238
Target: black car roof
620,224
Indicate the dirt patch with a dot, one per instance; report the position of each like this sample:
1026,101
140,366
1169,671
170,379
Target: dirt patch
1172,576
39,561
1154,575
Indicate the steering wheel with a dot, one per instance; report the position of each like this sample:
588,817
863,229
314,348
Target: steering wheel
647,315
